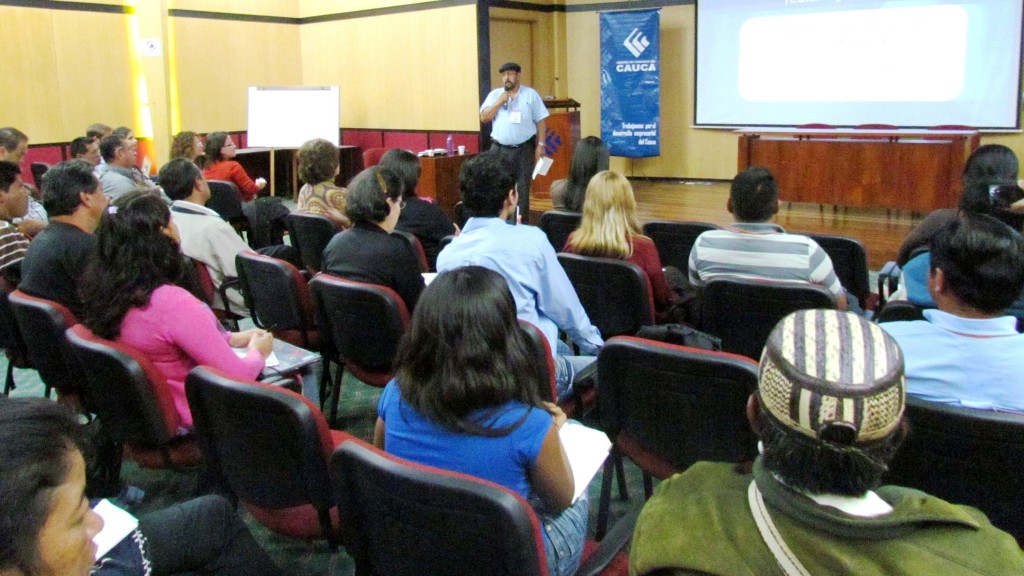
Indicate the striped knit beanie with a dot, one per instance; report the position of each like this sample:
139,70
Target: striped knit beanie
832,376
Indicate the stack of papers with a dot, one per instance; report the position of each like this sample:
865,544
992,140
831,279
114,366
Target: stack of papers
587,450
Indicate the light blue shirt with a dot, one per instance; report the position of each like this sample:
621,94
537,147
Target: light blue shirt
963,361
531,109
524,256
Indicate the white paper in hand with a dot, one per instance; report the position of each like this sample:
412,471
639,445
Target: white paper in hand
542,167
117,524
587,450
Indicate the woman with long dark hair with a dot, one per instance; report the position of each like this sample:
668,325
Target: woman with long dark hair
590,157
131,295
465,398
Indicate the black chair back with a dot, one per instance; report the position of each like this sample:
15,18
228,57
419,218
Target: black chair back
359,323
898,311
225,199
965,456
310,234
38,171
743,312
677,404
850,262
403,519
125,389
615,293
42,324
558,225
266,444
277,296
414,246
675,239
10,338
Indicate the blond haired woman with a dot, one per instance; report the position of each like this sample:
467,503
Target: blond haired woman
610,228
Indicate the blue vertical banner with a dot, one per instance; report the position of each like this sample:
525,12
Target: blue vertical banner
631,83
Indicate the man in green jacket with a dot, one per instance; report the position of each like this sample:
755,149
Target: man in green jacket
829,412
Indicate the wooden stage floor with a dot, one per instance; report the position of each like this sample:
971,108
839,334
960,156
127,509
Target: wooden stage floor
704,201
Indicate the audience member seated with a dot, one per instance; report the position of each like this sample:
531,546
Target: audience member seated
610,228
265,212
989,165
979,197
465,398
753,247
589,158
318,166
205,236
368,252
189,145
13,204
524,256
131,296
829,413
13,145
85,148
47,525
119,174
56,258
423,219
967,352
220,165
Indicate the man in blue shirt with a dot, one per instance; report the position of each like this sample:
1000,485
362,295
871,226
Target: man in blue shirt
517,114
522,254
967,352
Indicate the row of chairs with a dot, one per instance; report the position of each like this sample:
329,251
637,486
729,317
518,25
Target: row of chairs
273,451
311,233
675,239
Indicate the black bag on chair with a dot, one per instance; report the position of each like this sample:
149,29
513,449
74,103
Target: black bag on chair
681,335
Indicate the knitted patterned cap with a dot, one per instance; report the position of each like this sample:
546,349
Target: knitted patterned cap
824,370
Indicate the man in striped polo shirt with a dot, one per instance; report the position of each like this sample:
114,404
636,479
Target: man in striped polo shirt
754,247
13,204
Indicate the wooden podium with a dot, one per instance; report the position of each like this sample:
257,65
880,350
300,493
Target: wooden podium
439,179
563,127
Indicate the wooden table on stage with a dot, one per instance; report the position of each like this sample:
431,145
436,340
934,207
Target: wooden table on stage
280,166
903,169
439,179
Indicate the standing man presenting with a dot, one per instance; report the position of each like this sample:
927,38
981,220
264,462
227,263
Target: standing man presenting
517,115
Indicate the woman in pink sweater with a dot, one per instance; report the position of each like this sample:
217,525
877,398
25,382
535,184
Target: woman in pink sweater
131,296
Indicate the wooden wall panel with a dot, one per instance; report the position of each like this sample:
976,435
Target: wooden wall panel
217,61
412,71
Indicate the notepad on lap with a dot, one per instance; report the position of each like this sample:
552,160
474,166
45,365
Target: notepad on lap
117,524
587,450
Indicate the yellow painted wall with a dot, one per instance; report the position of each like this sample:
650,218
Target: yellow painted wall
282,8
310,8
414,70
216,61
58,80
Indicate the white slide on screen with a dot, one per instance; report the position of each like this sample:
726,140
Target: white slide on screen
914,63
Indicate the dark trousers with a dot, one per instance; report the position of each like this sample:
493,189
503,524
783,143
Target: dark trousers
203,536
521,160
